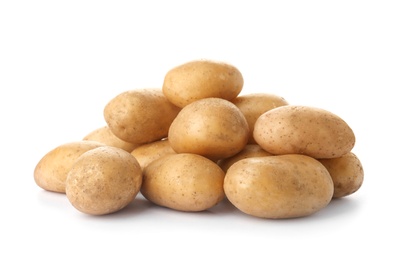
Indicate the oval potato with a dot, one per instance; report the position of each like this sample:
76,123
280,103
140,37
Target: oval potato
312,131
200,79
276,187
184,182
140,116
103,180
51,171
346,172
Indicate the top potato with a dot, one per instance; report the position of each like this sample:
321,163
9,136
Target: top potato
200,79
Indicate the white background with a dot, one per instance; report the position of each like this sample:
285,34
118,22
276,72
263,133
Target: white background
62,61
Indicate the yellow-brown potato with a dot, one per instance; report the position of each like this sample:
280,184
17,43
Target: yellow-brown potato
211,127
254,105
104,135
250,150
147,153
346,172
140,116
276,187
199,79
103,180
51,171
312,131
184,182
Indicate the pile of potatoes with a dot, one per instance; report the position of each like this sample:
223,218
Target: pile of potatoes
196,141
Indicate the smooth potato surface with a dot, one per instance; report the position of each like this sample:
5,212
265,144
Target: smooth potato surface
346,172
275,187
104,135
211,127
250,150
312,131
51,171
103,180
140,116
147,153
184,182
200,79
253,105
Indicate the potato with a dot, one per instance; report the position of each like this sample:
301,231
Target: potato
51,171
147,153
211,127
103,180
250,150
104,135
184,182
312,131
200,79
346,172
277,187
254,105
140,116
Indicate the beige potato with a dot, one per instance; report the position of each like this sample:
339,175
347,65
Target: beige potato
346,172
184,182
140,116
103,181
200,79
104,135
147,153
312,131
250,150
211,127
253,105
51,171
276,187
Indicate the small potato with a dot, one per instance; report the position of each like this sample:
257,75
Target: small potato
200,79
140,116
254,105
147,153
51,171
276,187
103,180
346,172
312,131
249,151
211,127
184,182
104,135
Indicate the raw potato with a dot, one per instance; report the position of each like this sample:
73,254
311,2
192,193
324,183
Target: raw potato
104,135
184,182
276,187
250,150
211,127
254,105
51,171
103,180
305,130
200,79
147,153
140,116
346,172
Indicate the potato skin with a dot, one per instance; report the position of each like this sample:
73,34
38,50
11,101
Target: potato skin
305,130
149,152
51,171
183,182
277,187
346,172
140,116
211,127
250,150
104,135
253,105
200,79
103,180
